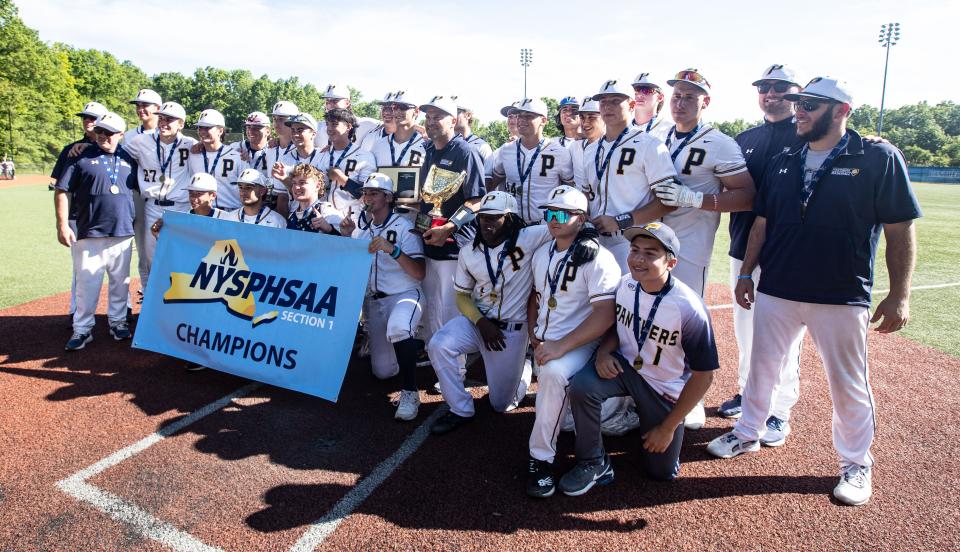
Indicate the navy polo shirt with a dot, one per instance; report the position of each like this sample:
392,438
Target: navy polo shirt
101,213
63,161
760,145
827,255
457,156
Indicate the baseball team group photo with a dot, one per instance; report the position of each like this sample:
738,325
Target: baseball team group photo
271,314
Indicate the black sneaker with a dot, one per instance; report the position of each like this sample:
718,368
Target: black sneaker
540,482
78,341
585,475
449,422
194,367
120,331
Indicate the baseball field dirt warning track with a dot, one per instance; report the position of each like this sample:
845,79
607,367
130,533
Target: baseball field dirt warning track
118,449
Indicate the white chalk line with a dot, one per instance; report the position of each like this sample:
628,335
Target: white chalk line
878,292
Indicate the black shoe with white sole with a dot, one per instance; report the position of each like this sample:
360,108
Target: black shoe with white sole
585,475
540,481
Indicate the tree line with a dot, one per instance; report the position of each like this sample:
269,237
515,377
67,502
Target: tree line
43,85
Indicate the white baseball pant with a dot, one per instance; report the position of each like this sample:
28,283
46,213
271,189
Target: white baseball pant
390,320
151,213
508,376
439,295
139,227
73,272
91,258
840,335
694,275
789,386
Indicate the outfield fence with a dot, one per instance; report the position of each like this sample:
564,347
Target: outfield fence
936,175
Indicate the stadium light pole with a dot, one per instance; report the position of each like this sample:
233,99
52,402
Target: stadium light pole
889,36
526,58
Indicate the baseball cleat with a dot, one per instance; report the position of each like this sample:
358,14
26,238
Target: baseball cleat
78,341
449,422
855,486
585,475
540,483
731,409
695,419
408,406
729,445
777,432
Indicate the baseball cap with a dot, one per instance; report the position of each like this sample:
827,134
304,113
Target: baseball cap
112,122
378,181
568,100
257,118
658,231
693,77
777,72
337,91
590,106
147,96
202,182
284,108
614,87
251,176
211,118
173,109
497,203
303,119
398,97
643,79
443,103
567,198
533,105
460,105
824,88
92,109
505,110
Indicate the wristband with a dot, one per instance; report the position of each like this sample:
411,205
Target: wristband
624,220
716,202
462,216
745,277
396,252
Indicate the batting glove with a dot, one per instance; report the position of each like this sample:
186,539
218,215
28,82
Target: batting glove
675,194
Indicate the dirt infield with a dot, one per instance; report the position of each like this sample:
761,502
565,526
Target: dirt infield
25,180
258,473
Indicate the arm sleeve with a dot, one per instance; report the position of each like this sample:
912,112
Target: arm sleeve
474,186
467,307
565,164
697,341
463,281
410,243
729,157
65,182
894,200
603,276
495,165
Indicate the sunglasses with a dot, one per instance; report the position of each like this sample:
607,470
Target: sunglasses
809,105
691,76
104,132
562,217
645,90
779,87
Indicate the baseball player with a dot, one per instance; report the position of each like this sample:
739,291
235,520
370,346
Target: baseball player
493,282
392,308
662,329
312,213
283,143
387,126
203,196
102,182
573,307
344,161
529,168
592,128
648,113
819,217
303,130
337,96
252,187
148,104
255,154
620,168
405,146
464,127
217,159
568,120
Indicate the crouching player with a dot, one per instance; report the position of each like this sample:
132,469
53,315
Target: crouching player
312,214
392,308
671,322
493,281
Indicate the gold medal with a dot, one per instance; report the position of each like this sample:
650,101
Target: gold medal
637,363
114,189
163,179
493,296
552,302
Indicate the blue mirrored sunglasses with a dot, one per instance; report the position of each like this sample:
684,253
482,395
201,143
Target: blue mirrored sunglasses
562,217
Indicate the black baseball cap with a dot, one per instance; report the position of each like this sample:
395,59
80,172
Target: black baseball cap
658,231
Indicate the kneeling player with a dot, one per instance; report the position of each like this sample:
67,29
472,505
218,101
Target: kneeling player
253,190
312,214
662,326
202,191
493,282
392,308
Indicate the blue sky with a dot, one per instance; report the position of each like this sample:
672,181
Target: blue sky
472,49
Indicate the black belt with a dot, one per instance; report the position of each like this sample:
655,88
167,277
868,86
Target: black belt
379,295
163,202
507,326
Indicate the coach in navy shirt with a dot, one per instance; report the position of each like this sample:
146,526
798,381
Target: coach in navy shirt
819,218
101,182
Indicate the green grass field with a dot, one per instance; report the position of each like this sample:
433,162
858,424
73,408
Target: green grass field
33,264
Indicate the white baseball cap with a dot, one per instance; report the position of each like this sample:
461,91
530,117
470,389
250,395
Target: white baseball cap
824,88
284,108
614,87
691,76
337,91
777,72
93,109
112,122
567,198
533,105
202,182
147,96
257,118
305,119
251,176
505,110
398,97
173,109
590,106
211,118
460,105
497,203
378,181
443,103
643,79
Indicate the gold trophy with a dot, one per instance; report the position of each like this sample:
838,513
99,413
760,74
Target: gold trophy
439,186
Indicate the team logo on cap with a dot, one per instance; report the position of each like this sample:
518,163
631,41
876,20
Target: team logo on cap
774,68
652,226
436,99
643,76
609,84
814,80
557,192
330,88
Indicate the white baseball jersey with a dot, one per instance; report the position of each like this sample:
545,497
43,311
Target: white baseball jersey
658,127
224,165
266,217
357,164
367,131
386,274
387,152
507,300
578,159
481,145
136,131
680,338
576,288
638,162
277,154
261,160
700,162
543,170
177,174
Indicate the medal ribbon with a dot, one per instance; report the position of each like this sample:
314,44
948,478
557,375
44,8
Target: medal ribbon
260,215
603,168
207,169
494,276
809,188
339,159
555,280
396,162
533,159
690,135
641,333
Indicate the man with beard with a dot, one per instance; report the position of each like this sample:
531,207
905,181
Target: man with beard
648,112
819,218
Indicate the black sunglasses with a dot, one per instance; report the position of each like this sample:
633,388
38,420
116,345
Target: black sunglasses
103,131
810,105
779,87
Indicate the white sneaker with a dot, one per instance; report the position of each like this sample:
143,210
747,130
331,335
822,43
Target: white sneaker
855,486
409,405
696,418
729,445
777,432
621,423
